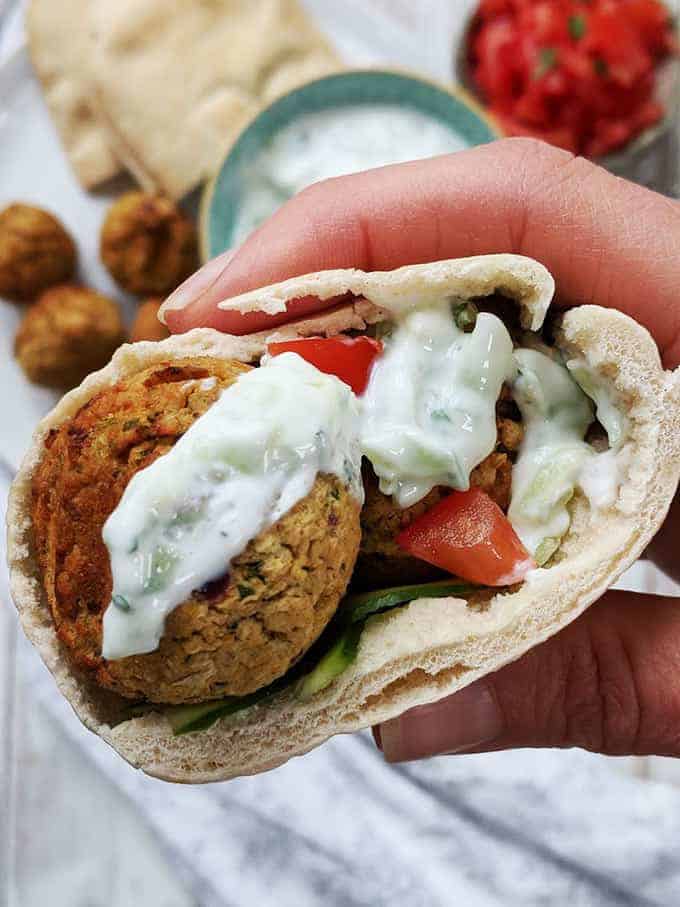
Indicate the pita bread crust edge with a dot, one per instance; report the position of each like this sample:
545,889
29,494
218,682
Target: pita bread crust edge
431,648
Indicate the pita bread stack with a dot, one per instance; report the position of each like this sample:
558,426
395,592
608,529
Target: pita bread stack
161,87
59,44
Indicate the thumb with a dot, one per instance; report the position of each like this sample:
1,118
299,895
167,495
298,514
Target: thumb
610,683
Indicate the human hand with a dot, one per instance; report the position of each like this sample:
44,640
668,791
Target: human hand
610,682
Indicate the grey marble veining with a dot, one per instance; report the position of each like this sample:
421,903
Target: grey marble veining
340,827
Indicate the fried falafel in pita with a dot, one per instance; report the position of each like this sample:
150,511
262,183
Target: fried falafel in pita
228,549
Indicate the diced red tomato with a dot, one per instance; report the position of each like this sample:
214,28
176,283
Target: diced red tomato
497,48
544,20
469,535
578,74
652,21
348,358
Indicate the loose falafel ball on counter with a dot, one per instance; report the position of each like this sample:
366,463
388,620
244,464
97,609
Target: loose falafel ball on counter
235,634
381,561
68,333
146,325
36,252
148,244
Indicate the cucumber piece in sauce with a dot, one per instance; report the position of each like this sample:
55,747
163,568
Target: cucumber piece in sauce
556,415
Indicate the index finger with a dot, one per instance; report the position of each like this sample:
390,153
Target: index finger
605,240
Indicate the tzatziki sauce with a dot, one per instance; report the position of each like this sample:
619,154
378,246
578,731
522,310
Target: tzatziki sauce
556,402
242,465
335,142
556,415
601,476
608,408
429,412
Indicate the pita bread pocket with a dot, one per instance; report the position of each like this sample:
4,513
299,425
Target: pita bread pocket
432,647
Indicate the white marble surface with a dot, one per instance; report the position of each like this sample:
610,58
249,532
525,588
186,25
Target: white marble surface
341,827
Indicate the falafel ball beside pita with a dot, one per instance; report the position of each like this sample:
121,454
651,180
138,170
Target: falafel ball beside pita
228,549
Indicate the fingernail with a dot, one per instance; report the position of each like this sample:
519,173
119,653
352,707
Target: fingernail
454,725
198,283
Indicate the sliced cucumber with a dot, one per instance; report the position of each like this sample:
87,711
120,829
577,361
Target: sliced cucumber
336,660
345,633
186,719
359,607
352,615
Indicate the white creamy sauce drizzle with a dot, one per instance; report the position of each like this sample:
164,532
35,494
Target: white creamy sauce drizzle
601,476
427,418
556,415
554,459
429,412
607,406
242,465
335,142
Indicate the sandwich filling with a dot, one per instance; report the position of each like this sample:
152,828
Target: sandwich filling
198,525
426,420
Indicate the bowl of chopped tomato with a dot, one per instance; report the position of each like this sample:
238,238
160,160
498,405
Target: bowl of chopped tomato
593,77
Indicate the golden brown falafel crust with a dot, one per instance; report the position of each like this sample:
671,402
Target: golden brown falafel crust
235,635
381,561
148,244
146,325
68,333
240,635
36,252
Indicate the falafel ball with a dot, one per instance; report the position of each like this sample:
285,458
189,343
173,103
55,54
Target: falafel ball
148,244
381,561
36,252
235,634
68,333
146,325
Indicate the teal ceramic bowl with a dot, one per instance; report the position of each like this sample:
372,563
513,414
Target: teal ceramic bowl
223,196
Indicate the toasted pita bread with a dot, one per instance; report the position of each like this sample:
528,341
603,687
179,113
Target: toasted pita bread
59,44
430,648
